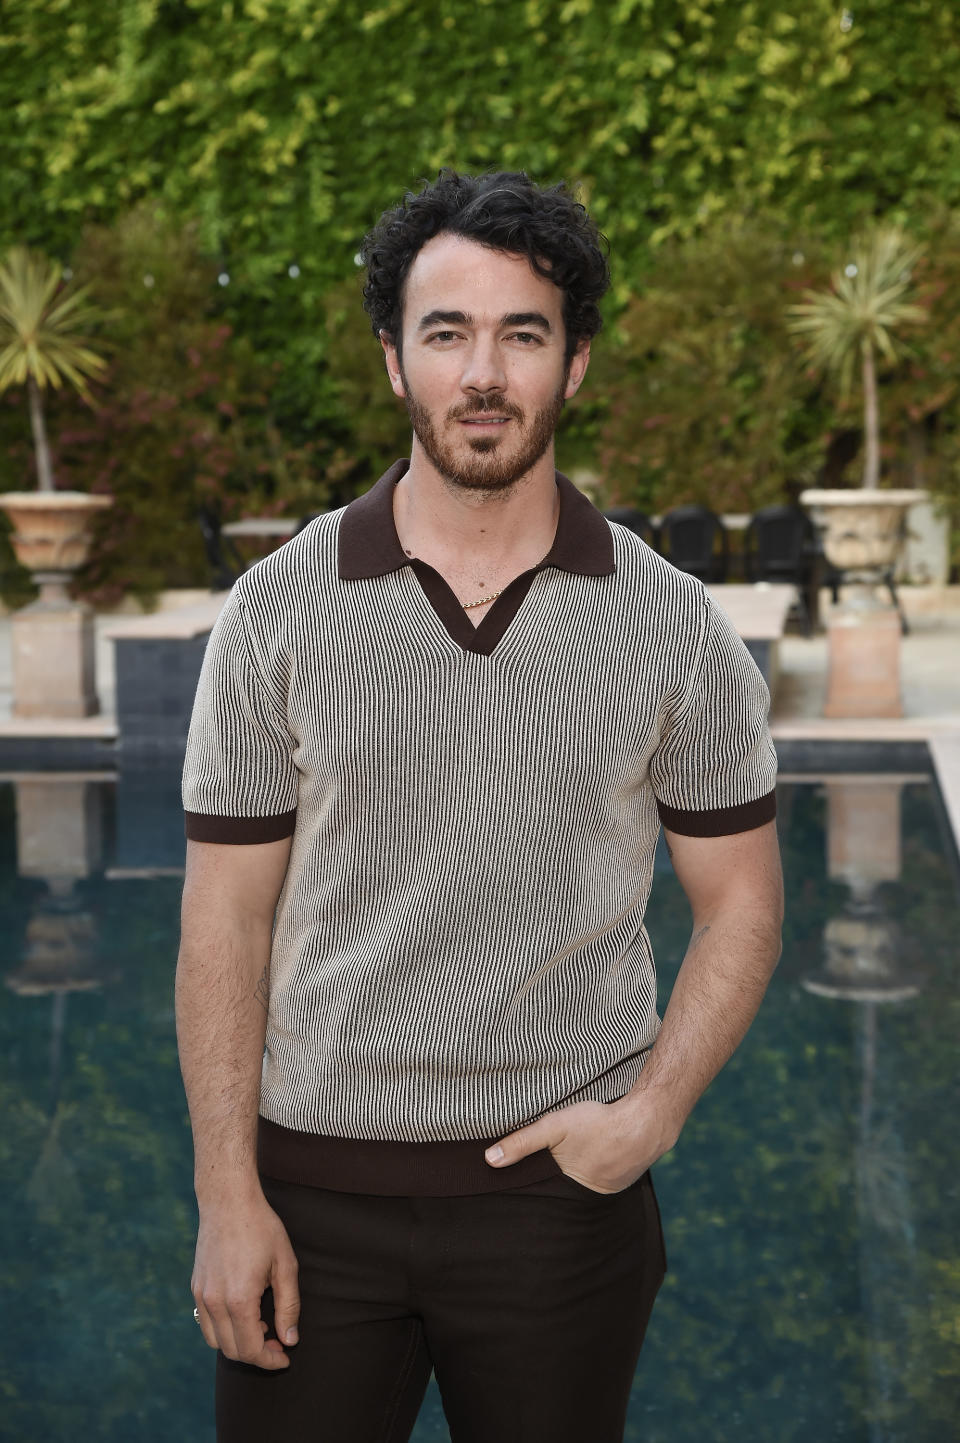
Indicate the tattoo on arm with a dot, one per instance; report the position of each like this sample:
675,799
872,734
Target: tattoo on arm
698,936
262,994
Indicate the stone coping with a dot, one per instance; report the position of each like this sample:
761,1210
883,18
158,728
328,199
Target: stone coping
945,751
865,729
93,728
758,610
93,775
184,623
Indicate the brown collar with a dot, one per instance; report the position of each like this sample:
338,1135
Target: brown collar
369,545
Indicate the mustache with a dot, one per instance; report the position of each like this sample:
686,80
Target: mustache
482,407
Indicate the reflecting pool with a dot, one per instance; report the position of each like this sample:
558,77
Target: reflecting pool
812,1206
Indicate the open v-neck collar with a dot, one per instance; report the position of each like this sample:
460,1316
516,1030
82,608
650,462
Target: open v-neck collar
368,546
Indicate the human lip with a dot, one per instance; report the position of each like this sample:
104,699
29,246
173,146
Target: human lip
484,420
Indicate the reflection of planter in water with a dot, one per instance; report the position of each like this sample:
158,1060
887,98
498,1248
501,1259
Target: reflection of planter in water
862,949
53,645
61,952
862,945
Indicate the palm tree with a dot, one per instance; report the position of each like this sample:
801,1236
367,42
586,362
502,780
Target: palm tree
868,301
41,339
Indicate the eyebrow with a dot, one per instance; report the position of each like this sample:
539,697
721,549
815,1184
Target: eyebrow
460,318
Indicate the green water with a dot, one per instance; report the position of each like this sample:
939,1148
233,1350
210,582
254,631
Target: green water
812,1207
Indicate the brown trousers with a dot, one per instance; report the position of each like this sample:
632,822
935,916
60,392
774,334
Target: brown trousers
529,1304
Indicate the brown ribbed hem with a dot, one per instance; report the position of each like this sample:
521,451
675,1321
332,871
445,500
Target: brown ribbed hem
720,821
241,830
392,1169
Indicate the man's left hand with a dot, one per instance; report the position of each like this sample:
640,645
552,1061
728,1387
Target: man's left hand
603,1146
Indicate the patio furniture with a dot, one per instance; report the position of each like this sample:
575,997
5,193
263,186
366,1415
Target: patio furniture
833,577
694,539
223,555
780,544
636,521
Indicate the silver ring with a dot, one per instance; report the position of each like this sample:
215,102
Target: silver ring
196,1315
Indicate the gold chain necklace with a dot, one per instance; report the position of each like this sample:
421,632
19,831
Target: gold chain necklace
468,605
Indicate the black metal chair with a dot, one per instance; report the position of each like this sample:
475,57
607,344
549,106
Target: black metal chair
833,577
634,520
694,539
223,556
780,545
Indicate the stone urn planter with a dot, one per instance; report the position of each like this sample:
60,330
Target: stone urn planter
53,641
51,530
862,532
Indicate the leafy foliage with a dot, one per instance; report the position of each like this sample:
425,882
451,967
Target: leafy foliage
286,126
183,418
281,128
706,397
41,330
41,339
865,306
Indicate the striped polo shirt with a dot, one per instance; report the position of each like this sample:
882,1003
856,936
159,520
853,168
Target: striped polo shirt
459,946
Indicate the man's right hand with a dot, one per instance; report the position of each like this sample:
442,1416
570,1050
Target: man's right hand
243,1249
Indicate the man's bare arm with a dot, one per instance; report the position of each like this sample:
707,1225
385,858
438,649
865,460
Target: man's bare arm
735,890
222,995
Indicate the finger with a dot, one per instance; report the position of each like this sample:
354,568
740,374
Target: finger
221,1326
522,1143
286,1301
248,1332
206,1326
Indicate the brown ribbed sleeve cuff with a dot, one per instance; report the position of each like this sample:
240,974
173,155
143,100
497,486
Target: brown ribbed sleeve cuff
719,821
241,830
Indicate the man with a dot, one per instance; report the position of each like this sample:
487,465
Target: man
434,740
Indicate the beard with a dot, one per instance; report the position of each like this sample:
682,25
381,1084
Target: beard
487,463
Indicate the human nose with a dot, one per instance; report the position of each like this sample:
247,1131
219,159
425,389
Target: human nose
484,369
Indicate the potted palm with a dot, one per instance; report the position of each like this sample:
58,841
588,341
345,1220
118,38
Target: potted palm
848,329
43,342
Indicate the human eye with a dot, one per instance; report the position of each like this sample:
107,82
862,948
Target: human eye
527,338
441,338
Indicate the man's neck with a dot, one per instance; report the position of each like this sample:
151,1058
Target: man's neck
462,529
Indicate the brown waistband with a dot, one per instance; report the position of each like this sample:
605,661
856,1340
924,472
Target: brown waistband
392,1169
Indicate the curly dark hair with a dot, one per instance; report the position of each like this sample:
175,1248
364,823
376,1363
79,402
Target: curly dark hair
506,211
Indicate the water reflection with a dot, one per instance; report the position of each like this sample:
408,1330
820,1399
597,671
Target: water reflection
59,840
864,965
811,1208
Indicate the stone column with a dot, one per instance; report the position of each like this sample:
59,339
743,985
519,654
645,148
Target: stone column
52,642
863,677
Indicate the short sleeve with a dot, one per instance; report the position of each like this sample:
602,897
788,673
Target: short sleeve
239,777
715,769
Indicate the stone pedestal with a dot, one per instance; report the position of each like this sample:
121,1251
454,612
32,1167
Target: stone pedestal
53,660
864,665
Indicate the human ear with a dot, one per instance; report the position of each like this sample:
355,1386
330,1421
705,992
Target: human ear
578,369
393,364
